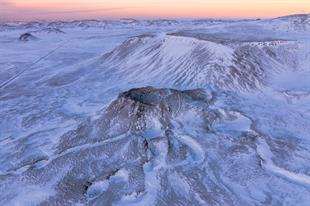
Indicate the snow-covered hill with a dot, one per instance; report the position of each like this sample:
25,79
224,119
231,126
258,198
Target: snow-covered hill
184,61
297,23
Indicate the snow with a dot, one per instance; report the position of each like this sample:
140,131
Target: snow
196,148
235,125
266,155
55,91
30,195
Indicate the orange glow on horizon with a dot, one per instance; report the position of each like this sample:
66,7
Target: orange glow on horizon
78,9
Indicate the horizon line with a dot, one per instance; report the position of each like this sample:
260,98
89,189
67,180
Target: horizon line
145,18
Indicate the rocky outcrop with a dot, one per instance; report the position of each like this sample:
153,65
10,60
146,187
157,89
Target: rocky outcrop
27,37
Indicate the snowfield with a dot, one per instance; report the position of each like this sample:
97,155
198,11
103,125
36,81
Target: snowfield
155,112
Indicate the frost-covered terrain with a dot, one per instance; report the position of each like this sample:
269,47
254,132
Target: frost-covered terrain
159,112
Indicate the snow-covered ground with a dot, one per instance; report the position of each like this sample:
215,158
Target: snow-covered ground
230,125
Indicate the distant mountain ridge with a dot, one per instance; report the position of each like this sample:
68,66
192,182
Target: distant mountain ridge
297,18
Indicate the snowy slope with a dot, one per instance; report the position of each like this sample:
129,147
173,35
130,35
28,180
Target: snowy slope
184,61
293,23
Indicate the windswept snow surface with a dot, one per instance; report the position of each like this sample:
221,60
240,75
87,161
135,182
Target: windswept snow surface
155,112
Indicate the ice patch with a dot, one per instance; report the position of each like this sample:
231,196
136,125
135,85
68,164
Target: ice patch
96,189
121,175
236,125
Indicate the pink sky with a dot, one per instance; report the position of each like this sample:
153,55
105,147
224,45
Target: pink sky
82,9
